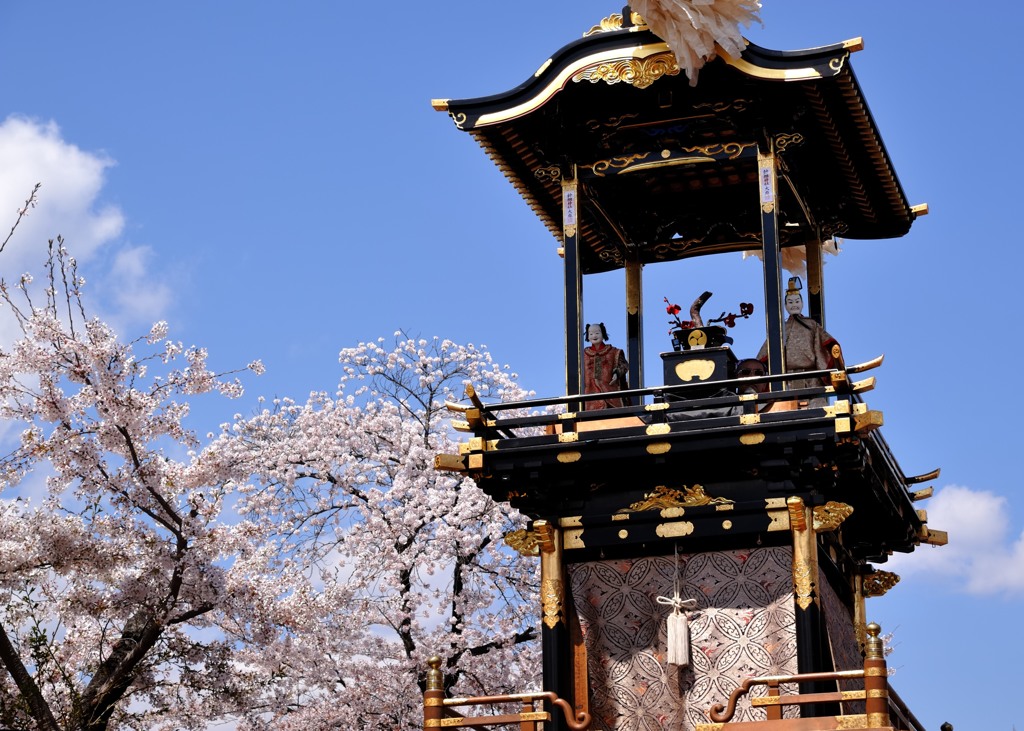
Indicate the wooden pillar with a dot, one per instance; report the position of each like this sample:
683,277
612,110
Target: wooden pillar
635,323
433,695
554,631
573,288
859,610
876,680
767,185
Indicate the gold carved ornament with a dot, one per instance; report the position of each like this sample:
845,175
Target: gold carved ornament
802,584
525,542
614,22
878,583
551,602
638,72
829,516
664,497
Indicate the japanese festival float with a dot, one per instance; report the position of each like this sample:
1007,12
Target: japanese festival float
706,546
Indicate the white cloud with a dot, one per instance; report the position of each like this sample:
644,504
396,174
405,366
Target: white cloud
70,204
34,152
983,555
135,292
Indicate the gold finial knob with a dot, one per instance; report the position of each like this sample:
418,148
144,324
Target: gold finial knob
435,680
875,647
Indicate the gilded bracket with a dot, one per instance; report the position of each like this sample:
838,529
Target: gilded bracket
878,583
829,516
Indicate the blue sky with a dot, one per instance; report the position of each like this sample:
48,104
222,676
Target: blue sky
271,179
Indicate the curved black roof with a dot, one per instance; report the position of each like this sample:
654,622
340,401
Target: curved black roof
669,170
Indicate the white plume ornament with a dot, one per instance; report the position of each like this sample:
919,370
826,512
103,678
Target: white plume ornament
691,28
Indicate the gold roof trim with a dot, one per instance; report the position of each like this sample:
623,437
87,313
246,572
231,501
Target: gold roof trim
638,53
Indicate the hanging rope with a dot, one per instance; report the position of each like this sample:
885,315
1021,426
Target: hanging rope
677,628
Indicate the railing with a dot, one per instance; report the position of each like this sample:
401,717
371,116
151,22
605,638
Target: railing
883,708
438,713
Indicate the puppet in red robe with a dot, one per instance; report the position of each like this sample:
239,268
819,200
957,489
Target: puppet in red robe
604,368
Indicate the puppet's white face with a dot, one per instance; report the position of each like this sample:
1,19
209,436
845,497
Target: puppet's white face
594,335
794,303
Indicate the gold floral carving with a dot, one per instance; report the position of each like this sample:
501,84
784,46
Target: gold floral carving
664,497
828,517
551,602
614,22
638,72
523,541
802,584
879,582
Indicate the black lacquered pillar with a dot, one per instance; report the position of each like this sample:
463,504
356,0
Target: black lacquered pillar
768,190
812,654
554,630
573,288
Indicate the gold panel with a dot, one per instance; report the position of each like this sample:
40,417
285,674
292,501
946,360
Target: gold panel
859,720
698,368
852,695
877,693
727,525
573,538
439,105
842,425
476,461
748,419
568,437
623,534
571,521
476,444
656,407
620,516
725,507
673,512
569,457
774,502
752,438
675,530
658,448
449,463
656,429
868,421
567,415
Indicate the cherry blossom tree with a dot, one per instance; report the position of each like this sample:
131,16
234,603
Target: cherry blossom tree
400,561
112,545
295,571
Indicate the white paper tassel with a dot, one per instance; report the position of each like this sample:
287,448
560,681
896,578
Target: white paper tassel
692,27
678,639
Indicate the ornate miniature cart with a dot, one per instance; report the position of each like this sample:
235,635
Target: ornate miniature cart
764,510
